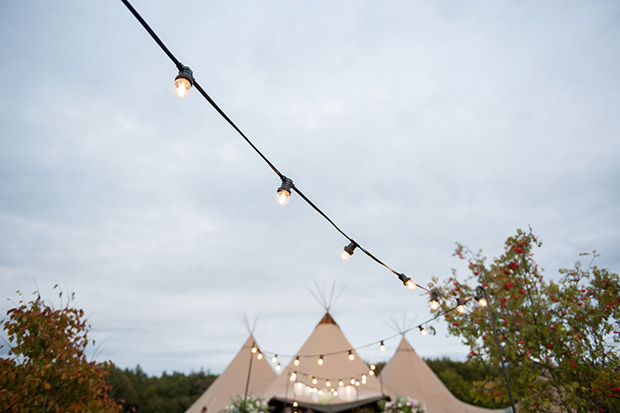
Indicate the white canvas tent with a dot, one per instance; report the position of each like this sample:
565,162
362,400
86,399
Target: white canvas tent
408,375
327,340
232,381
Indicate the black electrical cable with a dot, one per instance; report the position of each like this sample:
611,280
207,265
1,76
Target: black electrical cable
180,66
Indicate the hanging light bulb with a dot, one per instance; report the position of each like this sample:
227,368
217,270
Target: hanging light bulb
346,254
335,392
295,404
480,296
351,356
422,330
274,359
296,362
184,81
407,281
352,380
259,355
340,383
381,346
328,383
357,383
254,349
364,378
434,301
460,305
314,380
278,367
320,361
293,376
372,367
371,373
283,196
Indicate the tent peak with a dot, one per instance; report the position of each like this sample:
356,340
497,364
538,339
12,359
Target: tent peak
328,319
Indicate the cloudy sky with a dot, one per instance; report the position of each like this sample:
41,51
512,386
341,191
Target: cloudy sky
412,124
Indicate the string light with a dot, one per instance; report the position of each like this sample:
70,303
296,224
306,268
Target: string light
283,197
295,404
352,380
382,346
460,305
293,376
315,380
422,330
346,254
340,383
434,301
274,359
351,356
328,383
254,349
296,362
371,373
184,81
278,367
259,355
407,281
320,361
481,299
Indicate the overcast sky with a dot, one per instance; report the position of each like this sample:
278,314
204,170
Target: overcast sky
412,124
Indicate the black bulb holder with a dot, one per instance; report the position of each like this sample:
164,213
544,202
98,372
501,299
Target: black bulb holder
287,185
404,278
185,73
349,249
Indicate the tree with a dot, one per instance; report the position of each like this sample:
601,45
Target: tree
559,339
46,369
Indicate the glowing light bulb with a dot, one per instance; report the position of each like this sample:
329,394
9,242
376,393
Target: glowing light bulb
340,383
372,367
328,383
381,346
482,302
293,376
283,197
295,404
364,378
182,87
278,367
352,380
410,284
357,383
274,359
259,355
351,356
335,393
371,373
422,330
254,349
296,362
460,305
320,361
434,301
314,380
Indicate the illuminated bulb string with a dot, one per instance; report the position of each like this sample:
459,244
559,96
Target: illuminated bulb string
186,73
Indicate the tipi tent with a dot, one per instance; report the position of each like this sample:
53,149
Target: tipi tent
408,375
312,383
232,381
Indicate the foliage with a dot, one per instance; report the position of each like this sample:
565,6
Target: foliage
402,404
169,393
559,339
250,405
46,369
459,377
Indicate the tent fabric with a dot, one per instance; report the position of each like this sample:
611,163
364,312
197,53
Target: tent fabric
407,374
328,340
333,408
233,379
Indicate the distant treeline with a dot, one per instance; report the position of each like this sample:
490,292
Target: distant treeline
174,393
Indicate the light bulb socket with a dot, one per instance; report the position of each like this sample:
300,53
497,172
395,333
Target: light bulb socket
434,300
185,73
350,249
287,185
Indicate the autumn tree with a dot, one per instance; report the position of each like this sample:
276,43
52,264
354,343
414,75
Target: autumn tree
46,369
559,338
